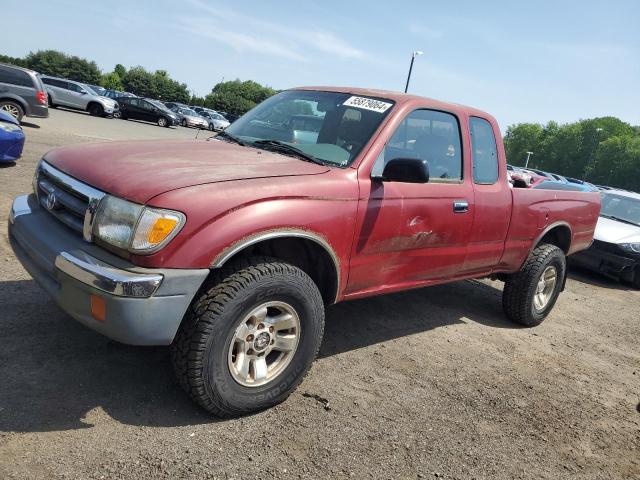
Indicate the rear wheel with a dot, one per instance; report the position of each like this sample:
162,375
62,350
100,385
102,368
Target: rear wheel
96,110
530,294
162,122
50,101
12,108
249,338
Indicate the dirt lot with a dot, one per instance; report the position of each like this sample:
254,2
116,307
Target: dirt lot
422,384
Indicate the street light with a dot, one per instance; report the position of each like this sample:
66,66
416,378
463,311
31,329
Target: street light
526,164
413,57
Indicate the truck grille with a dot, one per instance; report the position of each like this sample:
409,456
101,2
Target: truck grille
68,200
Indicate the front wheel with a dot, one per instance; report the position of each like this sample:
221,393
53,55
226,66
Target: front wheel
249,338
530,294
162,122
96,110
183,123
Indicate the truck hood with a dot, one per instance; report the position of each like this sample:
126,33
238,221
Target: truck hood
140,170
612,231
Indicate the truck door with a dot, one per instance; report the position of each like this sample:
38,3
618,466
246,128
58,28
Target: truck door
410,233
492,212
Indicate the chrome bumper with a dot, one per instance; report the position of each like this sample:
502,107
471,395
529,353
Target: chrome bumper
102,276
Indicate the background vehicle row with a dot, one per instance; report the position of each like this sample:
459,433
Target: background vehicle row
79,96
22,92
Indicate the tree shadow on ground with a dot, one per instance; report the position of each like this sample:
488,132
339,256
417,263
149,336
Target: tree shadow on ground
55,371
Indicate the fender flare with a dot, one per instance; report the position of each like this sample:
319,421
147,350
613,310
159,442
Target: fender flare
228,252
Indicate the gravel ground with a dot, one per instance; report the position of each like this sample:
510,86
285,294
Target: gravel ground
422,384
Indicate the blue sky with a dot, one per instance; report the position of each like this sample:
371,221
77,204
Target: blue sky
534,61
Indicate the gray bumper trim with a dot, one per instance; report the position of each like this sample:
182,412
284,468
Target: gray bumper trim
102,276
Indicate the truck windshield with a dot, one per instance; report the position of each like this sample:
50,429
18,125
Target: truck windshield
625,209
330,127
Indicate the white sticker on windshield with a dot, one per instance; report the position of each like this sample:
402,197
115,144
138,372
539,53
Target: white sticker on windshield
368,104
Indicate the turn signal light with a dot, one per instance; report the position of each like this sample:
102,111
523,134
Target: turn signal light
161,229
98,308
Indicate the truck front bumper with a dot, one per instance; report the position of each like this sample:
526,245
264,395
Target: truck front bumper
138,306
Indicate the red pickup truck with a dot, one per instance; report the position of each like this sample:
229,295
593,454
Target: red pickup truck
228,249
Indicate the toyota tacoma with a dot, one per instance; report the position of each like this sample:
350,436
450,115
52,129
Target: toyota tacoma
228,249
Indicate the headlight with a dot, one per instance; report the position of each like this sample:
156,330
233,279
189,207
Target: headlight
630,247
133,227
9,127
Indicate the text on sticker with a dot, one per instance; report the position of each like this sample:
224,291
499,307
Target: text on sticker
367,104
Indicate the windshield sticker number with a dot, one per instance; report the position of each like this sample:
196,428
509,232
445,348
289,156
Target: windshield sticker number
368,104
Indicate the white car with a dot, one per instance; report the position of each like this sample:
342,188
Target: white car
67,93
615,251
189,118
216,121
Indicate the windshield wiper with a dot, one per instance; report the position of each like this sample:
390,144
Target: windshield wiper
283,147
613,217
233,138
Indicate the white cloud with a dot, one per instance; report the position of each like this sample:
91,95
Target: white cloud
269,38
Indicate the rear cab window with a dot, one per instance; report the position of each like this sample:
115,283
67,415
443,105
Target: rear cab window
484,151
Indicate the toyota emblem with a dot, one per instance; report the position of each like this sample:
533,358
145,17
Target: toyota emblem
51,201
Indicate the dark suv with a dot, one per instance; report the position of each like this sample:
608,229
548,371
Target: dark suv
22,92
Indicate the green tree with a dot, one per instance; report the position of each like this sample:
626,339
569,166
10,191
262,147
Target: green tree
617,162
12,60
111,81
237,97
602,150
59,64
120,70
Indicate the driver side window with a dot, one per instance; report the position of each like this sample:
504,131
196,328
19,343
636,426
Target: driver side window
429,135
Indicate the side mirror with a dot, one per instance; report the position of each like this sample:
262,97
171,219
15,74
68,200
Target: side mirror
406,170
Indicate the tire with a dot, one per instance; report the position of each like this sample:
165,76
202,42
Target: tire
162,122
50,101
636,278
96,110
211,127
183,122
527,299
203,351
12,108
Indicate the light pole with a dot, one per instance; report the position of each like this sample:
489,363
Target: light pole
526,164
413,57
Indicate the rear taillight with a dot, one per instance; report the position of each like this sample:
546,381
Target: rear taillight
41,97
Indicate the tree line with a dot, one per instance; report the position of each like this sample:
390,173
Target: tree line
601,150
235,97
604,150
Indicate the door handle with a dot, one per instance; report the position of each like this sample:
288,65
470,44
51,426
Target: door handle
460,206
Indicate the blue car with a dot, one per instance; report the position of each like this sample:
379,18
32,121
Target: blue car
11,138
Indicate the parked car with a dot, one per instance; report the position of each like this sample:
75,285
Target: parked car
173,105
616,247
11,138
98,89
22,92
215,121
115,94
228,249
148,110
189,118
79,96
